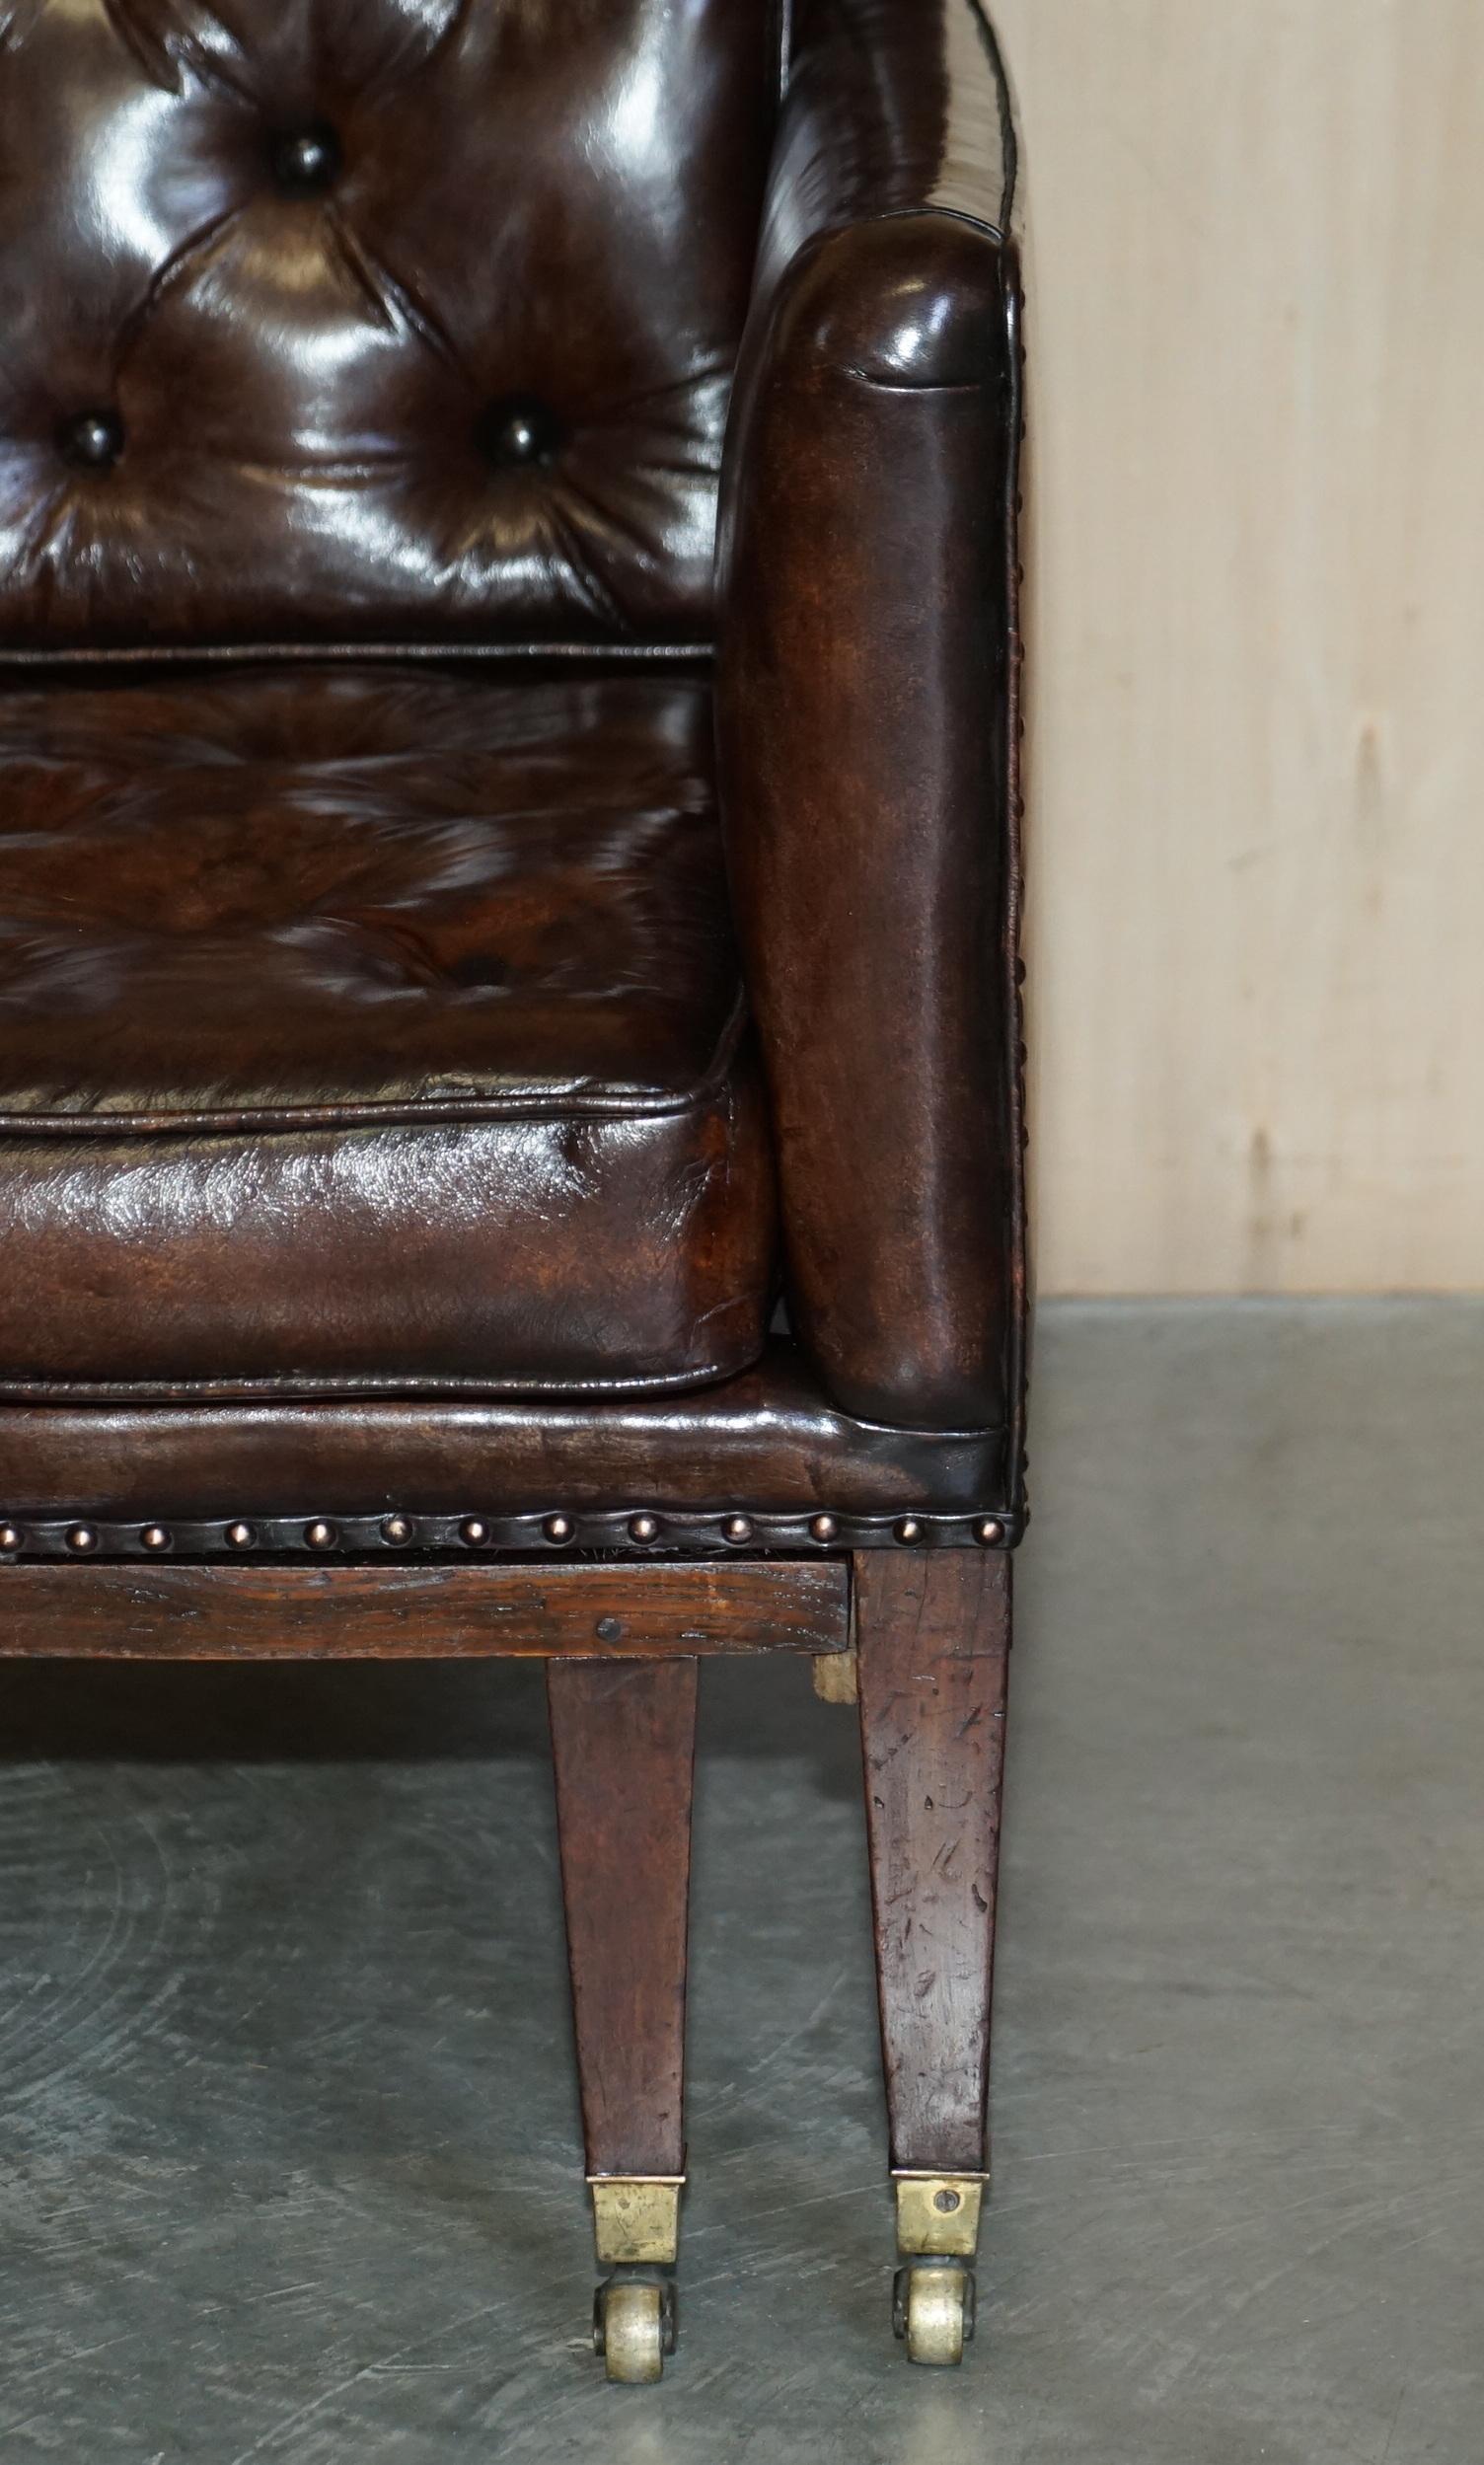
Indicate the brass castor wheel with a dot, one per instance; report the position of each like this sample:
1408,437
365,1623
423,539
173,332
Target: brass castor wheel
634,2324
933,2309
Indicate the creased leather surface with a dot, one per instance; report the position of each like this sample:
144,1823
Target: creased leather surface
409,316
364,1029
867,668
765,1440
329,888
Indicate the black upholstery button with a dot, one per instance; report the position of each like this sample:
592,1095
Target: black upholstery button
93,438
306,160
519,429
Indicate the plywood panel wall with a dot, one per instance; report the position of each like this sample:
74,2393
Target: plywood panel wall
1256,251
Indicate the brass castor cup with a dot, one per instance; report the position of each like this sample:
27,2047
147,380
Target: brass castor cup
636,2235
937,2235
634,2324
933,2309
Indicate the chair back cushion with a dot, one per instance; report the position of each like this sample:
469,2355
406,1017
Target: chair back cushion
370,320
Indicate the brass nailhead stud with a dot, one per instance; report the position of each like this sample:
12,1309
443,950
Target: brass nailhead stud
154,1537
987,1531
395,1531
558,1528
321,1536
239,1536
643,1528
472,1533
82,1537
10,1538
738,1528
822,1527
908,1529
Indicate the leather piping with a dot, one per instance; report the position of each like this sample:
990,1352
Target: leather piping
267,1389
212,654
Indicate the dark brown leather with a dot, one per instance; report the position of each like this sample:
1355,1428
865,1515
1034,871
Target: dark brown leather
351,318
379,1029
892,107
371,1031
765,1443
867,668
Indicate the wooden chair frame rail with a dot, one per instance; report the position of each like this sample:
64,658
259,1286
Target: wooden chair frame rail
675,1609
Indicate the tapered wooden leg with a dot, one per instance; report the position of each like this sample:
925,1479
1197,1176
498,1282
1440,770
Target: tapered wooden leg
623,1742
933,1633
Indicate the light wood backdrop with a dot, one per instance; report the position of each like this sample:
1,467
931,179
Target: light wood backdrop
1256,257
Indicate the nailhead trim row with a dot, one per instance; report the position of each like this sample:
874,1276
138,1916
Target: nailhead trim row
639,1532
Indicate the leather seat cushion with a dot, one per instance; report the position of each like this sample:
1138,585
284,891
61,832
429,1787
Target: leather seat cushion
371,1028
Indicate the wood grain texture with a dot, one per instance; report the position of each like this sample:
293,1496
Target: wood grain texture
128,1611
932,1636
622,1745
1256,333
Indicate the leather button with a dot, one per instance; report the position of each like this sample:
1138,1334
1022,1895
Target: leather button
94,439
306,160
519,430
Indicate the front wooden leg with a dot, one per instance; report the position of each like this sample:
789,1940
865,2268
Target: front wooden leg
932,1634
624,1742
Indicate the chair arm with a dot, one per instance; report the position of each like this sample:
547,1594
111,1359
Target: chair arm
866,683
890,106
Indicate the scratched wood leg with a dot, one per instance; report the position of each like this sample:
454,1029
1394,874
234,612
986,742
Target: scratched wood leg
623,1743
932,1632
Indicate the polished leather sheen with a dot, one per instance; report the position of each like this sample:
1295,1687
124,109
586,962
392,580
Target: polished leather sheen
381,1123
891,107
765,1440
866,663
373,1031
361,319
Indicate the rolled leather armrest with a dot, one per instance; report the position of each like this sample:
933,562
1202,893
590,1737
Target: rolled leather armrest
866,683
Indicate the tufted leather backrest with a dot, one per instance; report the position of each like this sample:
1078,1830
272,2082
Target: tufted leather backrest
370,320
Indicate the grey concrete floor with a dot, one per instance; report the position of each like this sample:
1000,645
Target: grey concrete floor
287,2136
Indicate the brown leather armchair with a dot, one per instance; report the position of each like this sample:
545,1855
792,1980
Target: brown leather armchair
509,1008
